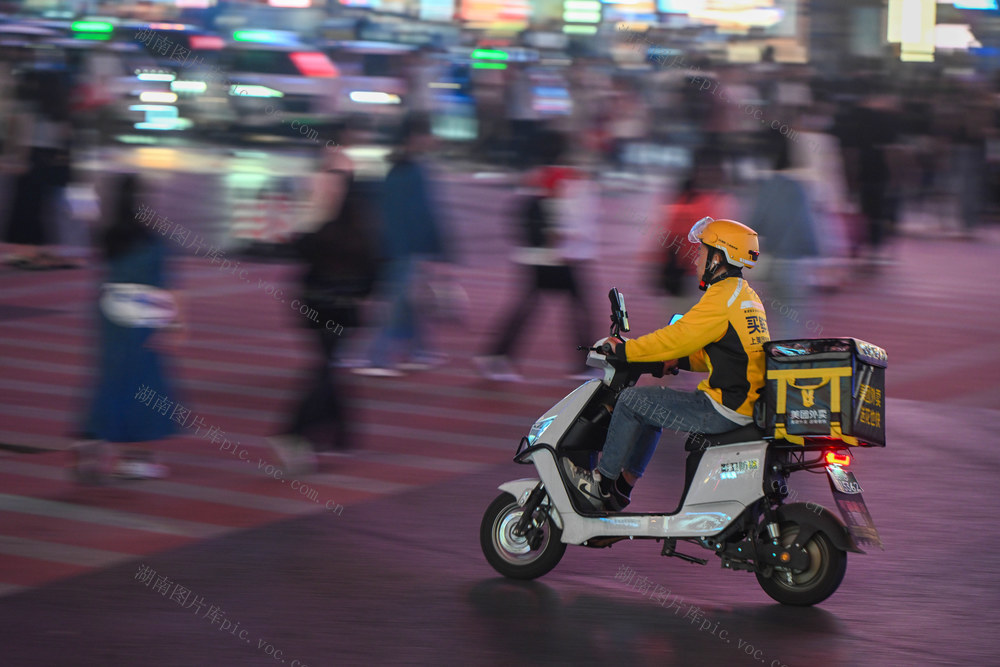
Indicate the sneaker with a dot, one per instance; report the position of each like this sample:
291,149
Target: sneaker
296,454
422,362
134,469
497,368
617,501
378,372
587,482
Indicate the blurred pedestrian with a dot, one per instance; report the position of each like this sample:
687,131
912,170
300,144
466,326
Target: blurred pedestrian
522,117
668,252
969,148
820,168
340,266
412,234
38,154
868,136
782,216
132,336
558,220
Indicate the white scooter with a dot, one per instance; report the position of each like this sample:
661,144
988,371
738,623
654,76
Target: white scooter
732,503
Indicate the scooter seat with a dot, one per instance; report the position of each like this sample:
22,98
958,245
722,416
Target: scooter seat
698,441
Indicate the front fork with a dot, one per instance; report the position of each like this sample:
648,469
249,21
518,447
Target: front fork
527,526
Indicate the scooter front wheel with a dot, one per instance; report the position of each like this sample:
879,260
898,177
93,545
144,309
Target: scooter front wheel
827,565
512,555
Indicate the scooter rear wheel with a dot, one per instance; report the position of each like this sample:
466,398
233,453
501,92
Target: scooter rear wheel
512,555
827,565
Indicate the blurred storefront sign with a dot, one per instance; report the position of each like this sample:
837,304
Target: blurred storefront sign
630,11
495,14
437,10
910,23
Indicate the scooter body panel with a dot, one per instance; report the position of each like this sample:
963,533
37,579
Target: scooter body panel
560,417
731,472
693,520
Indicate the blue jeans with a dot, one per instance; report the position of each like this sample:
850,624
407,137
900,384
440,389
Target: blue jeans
401,336
640,416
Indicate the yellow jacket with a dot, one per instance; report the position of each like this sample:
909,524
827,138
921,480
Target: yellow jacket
721,334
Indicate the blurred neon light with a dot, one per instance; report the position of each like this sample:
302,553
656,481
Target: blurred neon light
314,63
580,29
254,91
206,42
261,36
91,26
582,17
290,4
156,76
489,54
158,98
976,4
373,97
188,86
152,107
167,26
488,65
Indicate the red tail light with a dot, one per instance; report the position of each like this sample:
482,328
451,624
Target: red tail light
833,458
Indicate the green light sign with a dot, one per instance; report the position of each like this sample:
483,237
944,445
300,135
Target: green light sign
91,26
489,54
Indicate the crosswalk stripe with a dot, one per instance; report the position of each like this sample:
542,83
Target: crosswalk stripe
193,492
10,589
60,553
95,515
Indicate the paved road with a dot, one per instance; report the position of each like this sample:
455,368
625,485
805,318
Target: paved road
380,563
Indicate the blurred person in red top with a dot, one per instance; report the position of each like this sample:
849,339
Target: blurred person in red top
558,226
669,255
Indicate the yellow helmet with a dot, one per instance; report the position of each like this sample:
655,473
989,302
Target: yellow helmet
737,241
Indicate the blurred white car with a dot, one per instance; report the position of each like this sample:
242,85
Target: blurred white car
373,78
276,81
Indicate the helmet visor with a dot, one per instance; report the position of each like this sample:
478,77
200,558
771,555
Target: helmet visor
694,236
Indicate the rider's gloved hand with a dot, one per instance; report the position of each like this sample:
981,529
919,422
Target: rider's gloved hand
614,349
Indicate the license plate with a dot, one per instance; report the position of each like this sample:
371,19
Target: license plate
843,480
847,494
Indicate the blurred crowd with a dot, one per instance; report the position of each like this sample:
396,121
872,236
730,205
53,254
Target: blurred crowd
825,169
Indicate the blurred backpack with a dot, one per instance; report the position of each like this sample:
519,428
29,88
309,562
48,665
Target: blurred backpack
534,220
342,262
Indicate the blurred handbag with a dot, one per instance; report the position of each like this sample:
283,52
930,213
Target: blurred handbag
438,296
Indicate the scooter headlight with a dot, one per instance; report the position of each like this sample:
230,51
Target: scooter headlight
538,428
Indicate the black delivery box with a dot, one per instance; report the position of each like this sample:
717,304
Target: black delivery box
824,388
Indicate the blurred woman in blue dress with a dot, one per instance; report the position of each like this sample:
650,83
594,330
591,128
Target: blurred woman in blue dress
133,402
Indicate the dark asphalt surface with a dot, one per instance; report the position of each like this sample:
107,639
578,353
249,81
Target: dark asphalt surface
401,580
